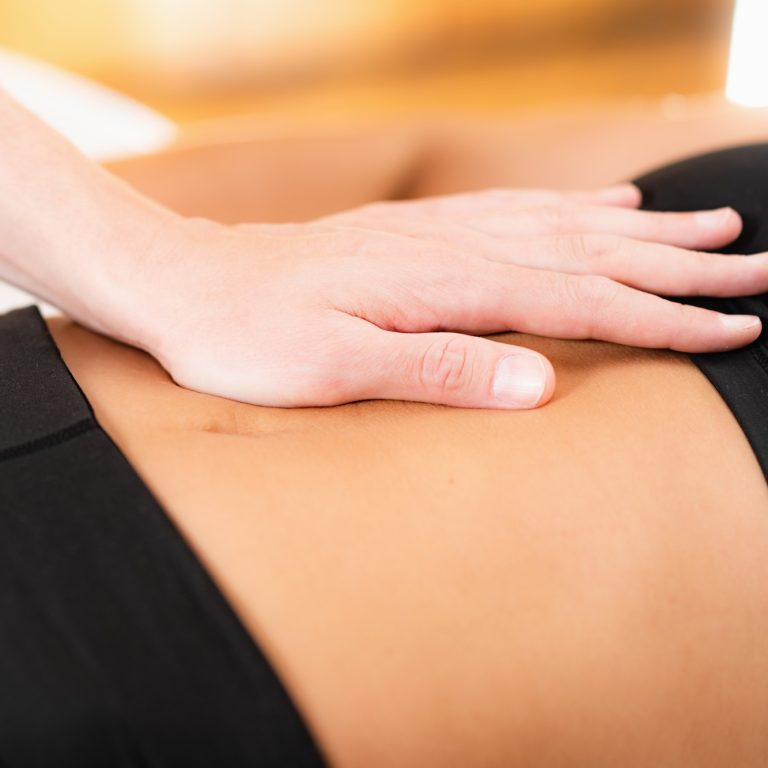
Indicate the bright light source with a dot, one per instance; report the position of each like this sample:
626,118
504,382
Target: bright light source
104,124
748,68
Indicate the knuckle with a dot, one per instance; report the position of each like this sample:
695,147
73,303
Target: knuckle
575,248
703,260
600,247
447,365
687,315
592,252
679,325
594,293
553,218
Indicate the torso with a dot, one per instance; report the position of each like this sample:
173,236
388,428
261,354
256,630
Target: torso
452,587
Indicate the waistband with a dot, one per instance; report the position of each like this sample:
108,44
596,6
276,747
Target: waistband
741,375
738,177
116,646
40,402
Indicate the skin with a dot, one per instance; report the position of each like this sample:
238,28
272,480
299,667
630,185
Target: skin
245,172
381,301
377,318
581,584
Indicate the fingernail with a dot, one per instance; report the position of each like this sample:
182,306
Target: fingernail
739,322
714,219
520,380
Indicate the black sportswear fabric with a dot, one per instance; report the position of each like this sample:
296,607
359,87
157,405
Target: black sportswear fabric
737,177
116,648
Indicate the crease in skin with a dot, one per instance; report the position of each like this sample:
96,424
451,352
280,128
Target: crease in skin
136,375
230,424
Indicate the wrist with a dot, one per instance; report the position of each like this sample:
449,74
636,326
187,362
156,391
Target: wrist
70,232
96,262
124,281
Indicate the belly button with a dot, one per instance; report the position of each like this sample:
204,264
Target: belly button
231,421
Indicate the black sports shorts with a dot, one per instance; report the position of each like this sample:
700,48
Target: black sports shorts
737,177
116,648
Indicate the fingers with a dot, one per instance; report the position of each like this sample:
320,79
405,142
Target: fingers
439,220
503,298
659,269
599,308
502,201
453,369
701,229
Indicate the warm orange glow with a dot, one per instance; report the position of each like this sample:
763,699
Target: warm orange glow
271,52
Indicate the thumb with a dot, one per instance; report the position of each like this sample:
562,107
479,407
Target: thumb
459,370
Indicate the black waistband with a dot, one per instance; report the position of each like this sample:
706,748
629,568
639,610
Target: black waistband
736,177
116,648
40,402
741,375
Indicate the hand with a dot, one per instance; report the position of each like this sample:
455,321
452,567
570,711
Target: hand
376,302
367,304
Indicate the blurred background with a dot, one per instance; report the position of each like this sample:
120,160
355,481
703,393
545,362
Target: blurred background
243,110
206,59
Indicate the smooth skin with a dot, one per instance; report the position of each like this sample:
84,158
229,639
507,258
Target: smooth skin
375,303
584,584
577,585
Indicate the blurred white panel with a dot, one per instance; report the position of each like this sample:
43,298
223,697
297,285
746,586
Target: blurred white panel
104,124
748,69
11,298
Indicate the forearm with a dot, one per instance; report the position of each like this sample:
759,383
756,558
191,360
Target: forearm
67,226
